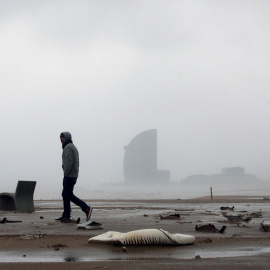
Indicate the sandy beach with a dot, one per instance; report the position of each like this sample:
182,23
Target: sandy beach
40,241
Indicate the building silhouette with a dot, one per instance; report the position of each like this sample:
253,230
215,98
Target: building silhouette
229,177
140,161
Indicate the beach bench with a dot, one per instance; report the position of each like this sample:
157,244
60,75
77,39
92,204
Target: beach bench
21,200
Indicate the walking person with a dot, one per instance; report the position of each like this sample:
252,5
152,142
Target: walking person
70,165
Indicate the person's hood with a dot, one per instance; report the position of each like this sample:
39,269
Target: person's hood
66,135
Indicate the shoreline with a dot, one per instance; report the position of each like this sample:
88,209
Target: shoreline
205,199
62,246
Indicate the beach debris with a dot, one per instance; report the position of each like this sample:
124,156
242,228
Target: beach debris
243,226
224,214
255,215
5,220
90,225
124,249
145,215
143,237
185,214
210,213
173,216
197,257
41,217
58,246
209,228
264,227
237,219
31,236
227,208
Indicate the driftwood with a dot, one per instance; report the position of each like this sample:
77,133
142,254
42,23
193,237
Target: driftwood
239,218
5,220
209,228
255,215
227,208
174,216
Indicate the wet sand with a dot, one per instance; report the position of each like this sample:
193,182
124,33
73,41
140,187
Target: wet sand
40,241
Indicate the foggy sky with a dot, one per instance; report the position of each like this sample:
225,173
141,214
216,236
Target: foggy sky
197,71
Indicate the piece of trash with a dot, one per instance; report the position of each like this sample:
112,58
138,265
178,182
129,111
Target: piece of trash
255,215
5,220
182,222
264,227
90,225
239,218
174,216
31,236
209,228
143,237
197,257
145,215
227,208
57,246
41,217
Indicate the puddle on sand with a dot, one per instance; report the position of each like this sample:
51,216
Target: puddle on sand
107,255
236,252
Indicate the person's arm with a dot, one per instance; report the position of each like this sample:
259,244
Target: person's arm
67,160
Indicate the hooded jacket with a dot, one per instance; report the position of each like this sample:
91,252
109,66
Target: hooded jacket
70,157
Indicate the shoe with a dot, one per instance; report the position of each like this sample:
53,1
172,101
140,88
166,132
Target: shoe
88,213
65,220
59,219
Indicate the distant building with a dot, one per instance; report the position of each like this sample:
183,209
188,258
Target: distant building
140,161
229,177
233,171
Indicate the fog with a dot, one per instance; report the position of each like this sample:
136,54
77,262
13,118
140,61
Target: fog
197,71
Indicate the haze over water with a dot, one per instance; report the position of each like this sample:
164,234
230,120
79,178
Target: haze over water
197,71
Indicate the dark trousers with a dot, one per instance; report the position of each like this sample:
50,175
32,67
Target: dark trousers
68,196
